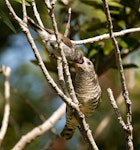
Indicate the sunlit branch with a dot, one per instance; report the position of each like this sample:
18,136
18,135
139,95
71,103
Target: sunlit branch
6,73
41,129
125,93
106,36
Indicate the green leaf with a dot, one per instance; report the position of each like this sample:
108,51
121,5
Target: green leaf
92,53
91,2
123,43
27,2
7,21
115,4
128,66
97,3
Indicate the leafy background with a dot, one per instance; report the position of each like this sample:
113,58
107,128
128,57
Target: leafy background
29,85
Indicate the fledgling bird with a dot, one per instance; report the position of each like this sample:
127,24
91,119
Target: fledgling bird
88,93
49,38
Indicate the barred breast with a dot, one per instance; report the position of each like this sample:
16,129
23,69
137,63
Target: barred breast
88,93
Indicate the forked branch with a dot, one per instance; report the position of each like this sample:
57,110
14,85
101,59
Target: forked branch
125,93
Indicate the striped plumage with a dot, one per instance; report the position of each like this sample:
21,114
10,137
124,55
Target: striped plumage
88,93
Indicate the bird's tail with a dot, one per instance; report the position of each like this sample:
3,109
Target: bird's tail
67,132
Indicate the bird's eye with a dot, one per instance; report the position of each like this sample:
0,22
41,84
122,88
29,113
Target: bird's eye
89,63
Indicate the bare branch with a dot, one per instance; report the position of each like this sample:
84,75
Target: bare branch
37,15
12,11
6,72
79,115
37,55
85,131
50,80
68,23
44,70
106,120
66,67
115,107
41,129
106,36
61,76
53,84
24,11
122,78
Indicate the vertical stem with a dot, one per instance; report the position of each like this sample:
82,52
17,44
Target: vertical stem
129,132
6,72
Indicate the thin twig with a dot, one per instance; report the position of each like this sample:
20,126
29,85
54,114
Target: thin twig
79,115
115,107
46,74
41,129
37,15
38,57
24,11
6,73
106,36
85,131
68,23
25,20
66,67
50,80
61,76
129,132
106,120
60,64
19,21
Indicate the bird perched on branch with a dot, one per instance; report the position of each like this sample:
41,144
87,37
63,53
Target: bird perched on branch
49,38
88,93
